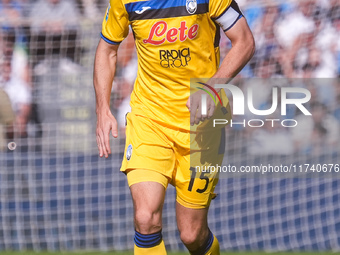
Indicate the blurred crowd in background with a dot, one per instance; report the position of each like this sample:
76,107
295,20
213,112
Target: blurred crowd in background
33,34
294,39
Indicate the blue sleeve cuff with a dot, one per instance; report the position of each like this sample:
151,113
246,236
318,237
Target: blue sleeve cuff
108,41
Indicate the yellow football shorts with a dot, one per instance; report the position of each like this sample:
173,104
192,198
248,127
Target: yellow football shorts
159,153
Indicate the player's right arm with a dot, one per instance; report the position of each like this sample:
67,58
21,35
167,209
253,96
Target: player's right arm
115,29
104,70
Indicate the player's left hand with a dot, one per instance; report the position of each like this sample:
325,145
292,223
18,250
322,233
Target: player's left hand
194,105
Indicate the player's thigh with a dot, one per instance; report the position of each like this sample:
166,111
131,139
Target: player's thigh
148,196
192,224
188,218
148,199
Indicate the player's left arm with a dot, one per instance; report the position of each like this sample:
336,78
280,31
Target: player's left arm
242,50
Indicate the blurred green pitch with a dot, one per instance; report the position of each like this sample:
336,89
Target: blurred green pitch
170,253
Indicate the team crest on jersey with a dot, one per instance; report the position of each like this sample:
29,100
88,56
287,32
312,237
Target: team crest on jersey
129,152
191,6
107,12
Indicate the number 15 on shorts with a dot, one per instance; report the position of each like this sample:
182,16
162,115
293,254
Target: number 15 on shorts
202,176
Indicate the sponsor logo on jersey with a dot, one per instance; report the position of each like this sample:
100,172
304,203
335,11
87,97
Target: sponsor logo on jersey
143,10
191,6
161,33
174,58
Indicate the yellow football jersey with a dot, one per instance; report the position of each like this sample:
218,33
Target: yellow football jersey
175,40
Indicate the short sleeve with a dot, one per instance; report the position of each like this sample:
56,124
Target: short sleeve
115,27
225,13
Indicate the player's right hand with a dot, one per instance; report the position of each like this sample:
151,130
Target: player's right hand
194,105
106,122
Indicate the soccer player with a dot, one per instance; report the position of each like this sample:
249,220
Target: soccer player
175,40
